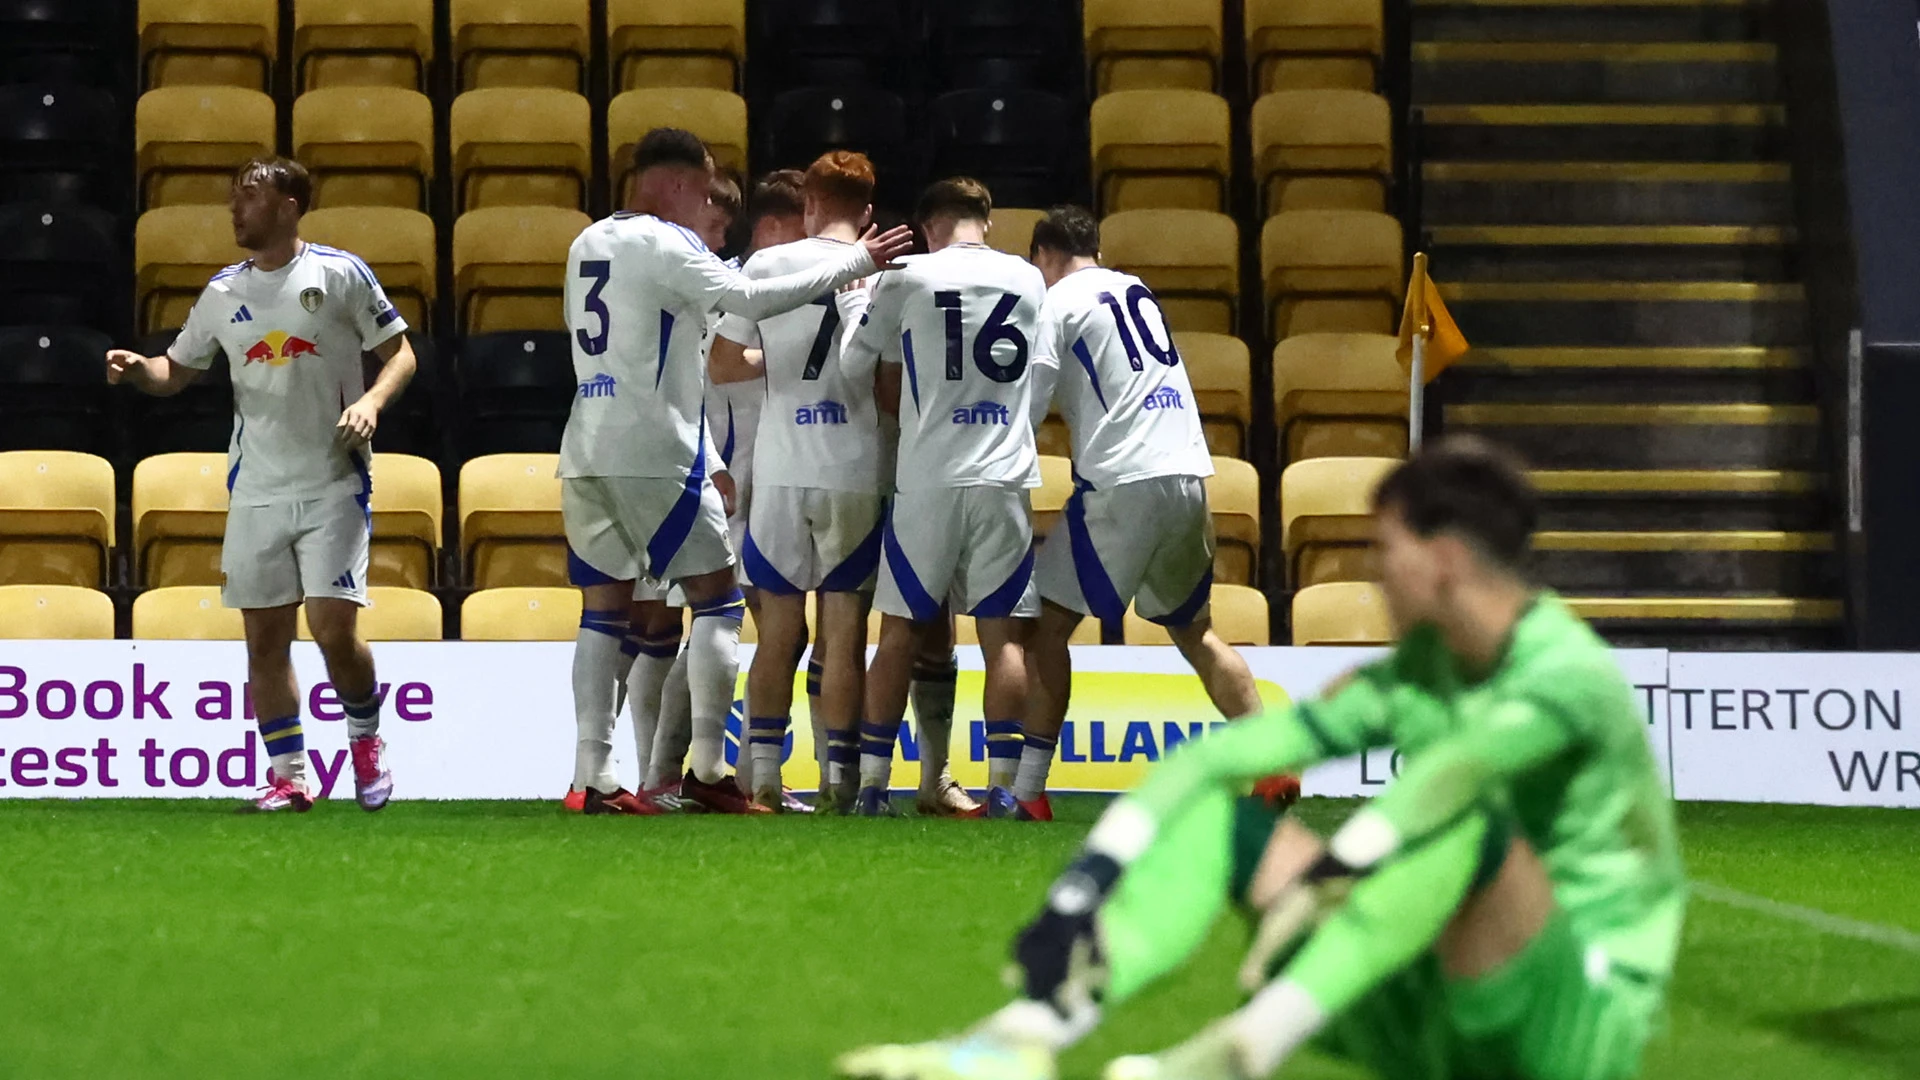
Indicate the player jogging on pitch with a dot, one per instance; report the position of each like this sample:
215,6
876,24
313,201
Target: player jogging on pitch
815,524
637,495
1509,907
1137,528
956,328
294,320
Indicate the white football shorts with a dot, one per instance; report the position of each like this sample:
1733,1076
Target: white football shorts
629,527
282,553
970,547
802,540
1149,542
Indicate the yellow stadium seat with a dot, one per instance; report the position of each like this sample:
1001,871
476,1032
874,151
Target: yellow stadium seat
362,43
1233,494
1053,437
519,43
56,518
406,521
1152,44
189,141
1239,617
1339,395
967,632
1160,149
521,613
1221,371
365,145
1311,44
55,613
179,518
1050,498
208,42
520,146
509,264
186,613
1189,258
1331,270
1326,518
1322,150
1341,613
398,244
1011,230
510,528
394,614
698,43
175,250
719,117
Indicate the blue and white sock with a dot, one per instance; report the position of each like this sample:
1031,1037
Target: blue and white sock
713,666
932,696
597,663
676,727
363,717
286,747
1036,761
876,754
646,679
1003,752
766,741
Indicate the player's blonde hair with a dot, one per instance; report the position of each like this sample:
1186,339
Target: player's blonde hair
841,178
284,175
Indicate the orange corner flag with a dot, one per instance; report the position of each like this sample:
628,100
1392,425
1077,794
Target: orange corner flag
1426,316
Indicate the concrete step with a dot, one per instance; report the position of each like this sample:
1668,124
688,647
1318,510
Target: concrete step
1588,20
1649,436
1619,376
1610,252
1605,193
1678,563
1652,499
1715,623
1629,313
1544,72
1604,132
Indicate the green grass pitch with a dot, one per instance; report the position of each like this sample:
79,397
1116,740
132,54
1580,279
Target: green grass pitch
497,939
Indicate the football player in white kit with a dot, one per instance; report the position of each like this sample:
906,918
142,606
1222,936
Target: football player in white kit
637,494
815,522
294,320
1137,528
955,329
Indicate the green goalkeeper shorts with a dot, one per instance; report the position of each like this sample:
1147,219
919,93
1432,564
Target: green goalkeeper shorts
1557,1011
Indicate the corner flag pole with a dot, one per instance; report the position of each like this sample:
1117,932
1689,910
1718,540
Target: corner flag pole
1422,329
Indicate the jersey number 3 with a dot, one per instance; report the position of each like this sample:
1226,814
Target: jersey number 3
995,329
596,271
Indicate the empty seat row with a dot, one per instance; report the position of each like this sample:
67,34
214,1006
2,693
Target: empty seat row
1178,44
513,613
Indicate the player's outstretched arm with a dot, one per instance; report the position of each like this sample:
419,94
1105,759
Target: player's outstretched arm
156,375
767,297
360,419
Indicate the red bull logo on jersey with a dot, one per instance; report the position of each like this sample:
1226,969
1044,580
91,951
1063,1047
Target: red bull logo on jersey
279,348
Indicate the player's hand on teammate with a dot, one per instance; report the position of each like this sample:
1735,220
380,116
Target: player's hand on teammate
885,247
122,363
723,483
357,424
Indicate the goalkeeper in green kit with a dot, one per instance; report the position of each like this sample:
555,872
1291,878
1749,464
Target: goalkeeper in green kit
1508,907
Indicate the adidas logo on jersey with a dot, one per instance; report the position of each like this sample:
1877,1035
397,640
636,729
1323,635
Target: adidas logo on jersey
821,412
982,412
1164,398
600,385
243,315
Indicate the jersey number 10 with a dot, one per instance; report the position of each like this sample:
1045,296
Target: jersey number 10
995,329
1137,295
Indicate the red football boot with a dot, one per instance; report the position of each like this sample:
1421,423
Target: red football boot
620,802
721,798
575,801
1279,790
1036,809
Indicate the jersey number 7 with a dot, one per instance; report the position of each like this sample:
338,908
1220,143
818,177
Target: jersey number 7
995,329
822,340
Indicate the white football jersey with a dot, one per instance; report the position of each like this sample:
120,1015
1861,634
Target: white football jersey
293,339
962,321
638,291
818,428
1106,352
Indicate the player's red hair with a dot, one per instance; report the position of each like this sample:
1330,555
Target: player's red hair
841,179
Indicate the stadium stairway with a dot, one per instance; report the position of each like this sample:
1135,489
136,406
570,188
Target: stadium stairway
1610,216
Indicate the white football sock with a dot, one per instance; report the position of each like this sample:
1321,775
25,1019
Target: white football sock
596,667
743,759
1036,761
1278,1021
713,667
645,682
675,728
932,695
876,754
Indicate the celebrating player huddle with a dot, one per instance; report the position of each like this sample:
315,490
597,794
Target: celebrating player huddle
963,347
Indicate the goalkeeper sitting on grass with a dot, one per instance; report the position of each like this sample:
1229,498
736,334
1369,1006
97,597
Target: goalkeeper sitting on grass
1508,907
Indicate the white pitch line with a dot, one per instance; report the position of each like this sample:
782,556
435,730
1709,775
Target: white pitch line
1892,937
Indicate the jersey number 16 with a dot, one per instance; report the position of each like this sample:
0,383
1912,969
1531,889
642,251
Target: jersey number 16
994,329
